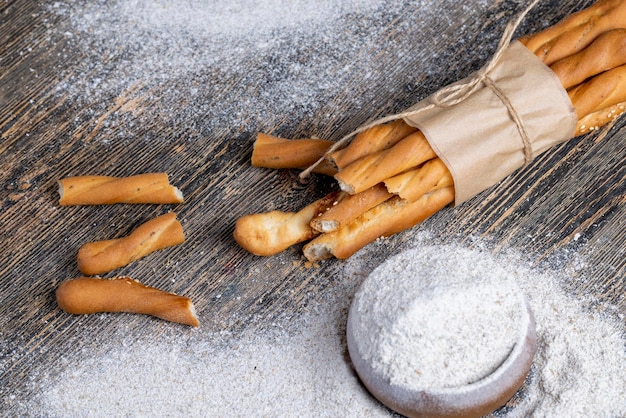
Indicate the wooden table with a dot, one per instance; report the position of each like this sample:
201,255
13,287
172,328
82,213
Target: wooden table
569,201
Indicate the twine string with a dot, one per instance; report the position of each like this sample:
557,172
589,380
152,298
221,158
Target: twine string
454,94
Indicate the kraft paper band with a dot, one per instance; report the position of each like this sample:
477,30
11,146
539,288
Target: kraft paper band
520,110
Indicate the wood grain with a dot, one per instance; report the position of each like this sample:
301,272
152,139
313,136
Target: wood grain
570,200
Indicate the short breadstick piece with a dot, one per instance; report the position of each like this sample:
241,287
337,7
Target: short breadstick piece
349,208
273,152
272,232
87,295
370,170
390,217
103,256
101,190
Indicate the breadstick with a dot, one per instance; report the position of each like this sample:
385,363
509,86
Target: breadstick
87,295
576,31
600,92
273,152
102,256
102,190
413,184
272,232
349,208
374,168
607,51
595,120
375,139
410,185
388,218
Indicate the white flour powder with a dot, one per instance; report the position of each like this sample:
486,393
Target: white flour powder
212,65
430,319
300,368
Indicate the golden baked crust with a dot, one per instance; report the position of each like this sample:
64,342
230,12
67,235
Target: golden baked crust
392,216
102,190
272,232
87,295
576,31
102,256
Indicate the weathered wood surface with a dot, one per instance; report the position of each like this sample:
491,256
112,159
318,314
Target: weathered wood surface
572,199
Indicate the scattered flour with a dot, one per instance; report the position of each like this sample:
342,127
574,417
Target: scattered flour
433,318
579,369
207,65
301,367
297,368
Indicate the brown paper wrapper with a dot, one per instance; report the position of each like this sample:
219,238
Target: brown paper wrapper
479,140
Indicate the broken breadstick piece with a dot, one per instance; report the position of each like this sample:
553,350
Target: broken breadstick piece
103,256
101,190
374,139
413,184
272,232
349,208
273,152
390,217
370,170
87,295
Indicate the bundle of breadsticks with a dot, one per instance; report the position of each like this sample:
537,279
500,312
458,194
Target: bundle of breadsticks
392,175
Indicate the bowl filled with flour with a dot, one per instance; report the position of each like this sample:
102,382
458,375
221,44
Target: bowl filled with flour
439,332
